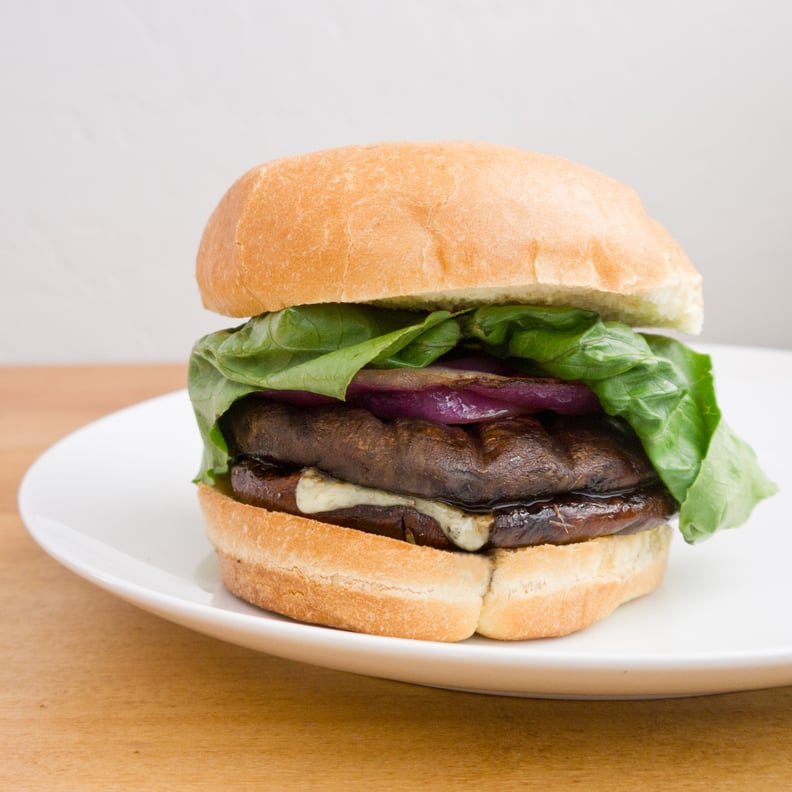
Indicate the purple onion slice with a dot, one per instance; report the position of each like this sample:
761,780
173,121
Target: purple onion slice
452,396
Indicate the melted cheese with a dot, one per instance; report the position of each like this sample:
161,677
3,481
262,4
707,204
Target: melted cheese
318,493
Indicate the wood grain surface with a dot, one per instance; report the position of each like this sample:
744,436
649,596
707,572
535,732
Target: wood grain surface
96,694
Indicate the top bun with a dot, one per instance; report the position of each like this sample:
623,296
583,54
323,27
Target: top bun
448,225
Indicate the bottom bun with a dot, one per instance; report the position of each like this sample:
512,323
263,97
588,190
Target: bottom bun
339,577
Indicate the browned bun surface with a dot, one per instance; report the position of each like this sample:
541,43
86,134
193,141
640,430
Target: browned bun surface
442,225
325,574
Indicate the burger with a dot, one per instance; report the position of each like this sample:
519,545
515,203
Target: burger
435,416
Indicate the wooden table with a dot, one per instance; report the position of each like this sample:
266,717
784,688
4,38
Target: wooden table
97,694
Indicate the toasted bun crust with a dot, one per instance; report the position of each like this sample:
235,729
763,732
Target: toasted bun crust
324,574
450,225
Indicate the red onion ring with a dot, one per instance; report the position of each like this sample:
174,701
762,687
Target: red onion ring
447,395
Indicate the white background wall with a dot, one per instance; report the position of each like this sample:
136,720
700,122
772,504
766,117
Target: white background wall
123,123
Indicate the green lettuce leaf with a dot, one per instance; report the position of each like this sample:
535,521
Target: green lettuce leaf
663,389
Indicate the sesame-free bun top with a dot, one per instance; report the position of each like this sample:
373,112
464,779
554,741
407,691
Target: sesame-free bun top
442,224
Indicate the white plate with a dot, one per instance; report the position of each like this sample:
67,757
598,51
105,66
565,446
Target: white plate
113,502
